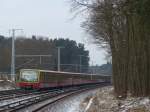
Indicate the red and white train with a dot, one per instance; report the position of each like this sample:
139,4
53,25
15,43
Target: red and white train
37,79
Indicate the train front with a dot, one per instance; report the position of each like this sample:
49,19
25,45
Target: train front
28,79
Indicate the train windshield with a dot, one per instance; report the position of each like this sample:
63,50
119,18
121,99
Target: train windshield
29,76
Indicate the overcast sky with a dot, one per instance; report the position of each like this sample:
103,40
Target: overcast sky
46,18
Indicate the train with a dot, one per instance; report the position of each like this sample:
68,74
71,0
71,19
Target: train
39,79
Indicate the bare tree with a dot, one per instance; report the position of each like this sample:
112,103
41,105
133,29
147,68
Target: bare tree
122,26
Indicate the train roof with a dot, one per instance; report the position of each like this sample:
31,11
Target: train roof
66,72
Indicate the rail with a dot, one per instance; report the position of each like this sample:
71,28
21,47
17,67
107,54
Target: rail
39,97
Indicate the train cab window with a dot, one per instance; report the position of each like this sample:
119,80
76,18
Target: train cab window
29,76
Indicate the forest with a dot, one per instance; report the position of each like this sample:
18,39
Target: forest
42,53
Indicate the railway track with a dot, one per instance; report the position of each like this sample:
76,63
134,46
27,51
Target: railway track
21,94
51,103
16,105
42,108
8,94
41,97
15,91
25,102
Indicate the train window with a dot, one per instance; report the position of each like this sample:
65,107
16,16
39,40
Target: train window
41,78
46,76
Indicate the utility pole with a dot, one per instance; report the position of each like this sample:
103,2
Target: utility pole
92,70
80,61
13,54
58,58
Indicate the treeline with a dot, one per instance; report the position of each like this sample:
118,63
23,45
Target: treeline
42,53
124,27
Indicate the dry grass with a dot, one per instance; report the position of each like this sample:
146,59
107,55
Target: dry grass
105,101
138,109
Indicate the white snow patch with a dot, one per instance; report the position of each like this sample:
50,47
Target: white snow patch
89,104
6,85
144,101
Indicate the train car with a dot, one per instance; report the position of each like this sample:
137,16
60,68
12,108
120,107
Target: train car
37,79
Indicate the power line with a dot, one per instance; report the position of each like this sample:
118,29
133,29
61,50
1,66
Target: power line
34,56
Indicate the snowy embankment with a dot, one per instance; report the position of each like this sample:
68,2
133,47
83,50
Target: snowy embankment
104,101
6,85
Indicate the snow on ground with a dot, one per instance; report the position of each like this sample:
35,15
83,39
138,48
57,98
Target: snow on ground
101,100
6,85
104,101
71,104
